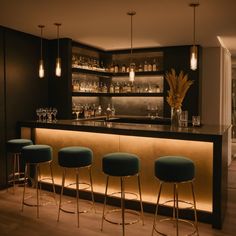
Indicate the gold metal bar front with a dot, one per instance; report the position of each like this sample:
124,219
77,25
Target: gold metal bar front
148,149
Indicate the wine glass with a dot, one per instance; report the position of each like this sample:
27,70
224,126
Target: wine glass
54,112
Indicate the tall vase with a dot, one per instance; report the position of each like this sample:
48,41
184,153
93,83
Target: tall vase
175,115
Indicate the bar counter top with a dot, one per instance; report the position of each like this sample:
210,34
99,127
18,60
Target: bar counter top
204,132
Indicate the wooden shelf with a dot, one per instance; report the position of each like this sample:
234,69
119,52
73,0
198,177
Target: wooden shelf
87,94
109,74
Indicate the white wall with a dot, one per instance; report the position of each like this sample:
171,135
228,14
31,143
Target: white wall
210,107
216,88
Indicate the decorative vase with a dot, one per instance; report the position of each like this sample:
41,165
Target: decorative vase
175,115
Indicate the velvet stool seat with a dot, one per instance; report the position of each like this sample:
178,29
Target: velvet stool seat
121,165
75,158
36,156
14,148
175,170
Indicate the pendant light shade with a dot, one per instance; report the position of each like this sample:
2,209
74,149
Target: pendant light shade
193,49
132,65
58,59
41,63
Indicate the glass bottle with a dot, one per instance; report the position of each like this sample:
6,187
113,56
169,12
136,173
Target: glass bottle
123,68
140,68
117,88
116,68
112,89
149,66
154,65
145,67
113,111
108,112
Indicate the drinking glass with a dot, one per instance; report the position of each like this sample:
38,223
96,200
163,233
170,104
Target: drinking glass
196,121
183,119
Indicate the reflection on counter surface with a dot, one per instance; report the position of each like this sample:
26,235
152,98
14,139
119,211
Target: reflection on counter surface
205,145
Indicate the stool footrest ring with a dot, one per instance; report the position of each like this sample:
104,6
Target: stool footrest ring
127,211
174,222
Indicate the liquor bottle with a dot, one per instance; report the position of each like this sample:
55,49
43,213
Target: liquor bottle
112,68
112,89
123,68
154,65
149,66
140,68
99,111
117,88
158,89
113,111
145,67
108,112
104,88
116,68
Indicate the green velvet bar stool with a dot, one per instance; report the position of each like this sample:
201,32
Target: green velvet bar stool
175,170
121,165
14,148
36,156
75,158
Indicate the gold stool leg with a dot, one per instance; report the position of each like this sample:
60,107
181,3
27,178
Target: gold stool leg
91,184
157,205
25,174
14,170
177,209
195,209
53,184
141,201
105,202
37,171
62,188
77,194
122,204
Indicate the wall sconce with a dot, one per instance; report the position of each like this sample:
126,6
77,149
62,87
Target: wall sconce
41,64
193,49
132,65
58,59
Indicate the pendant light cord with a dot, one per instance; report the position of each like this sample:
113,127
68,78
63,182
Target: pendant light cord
57,25
41,41
194,5
131,14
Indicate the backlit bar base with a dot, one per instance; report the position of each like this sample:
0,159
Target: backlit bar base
205,150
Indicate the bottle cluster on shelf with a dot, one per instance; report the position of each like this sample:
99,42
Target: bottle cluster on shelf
91,63
114,87
92,110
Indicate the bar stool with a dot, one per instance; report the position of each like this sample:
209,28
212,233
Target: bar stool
175,170
37,155
76,158
14,147
121,165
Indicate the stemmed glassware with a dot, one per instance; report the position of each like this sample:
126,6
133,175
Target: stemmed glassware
77,109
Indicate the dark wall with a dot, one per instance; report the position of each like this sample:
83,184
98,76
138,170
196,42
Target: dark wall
60,88
2,112
178,58
23,89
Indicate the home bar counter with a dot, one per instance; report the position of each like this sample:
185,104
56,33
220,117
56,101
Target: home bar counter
206,145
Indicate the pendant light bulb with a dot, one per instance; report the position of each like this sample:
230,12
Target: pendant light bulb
58,59
41,69
41,64
131,73
58,67
132,65
193,49
193,58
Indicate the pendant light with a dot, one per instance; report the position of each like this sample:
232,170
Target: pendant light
41,64
193,49
132,65
58,59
